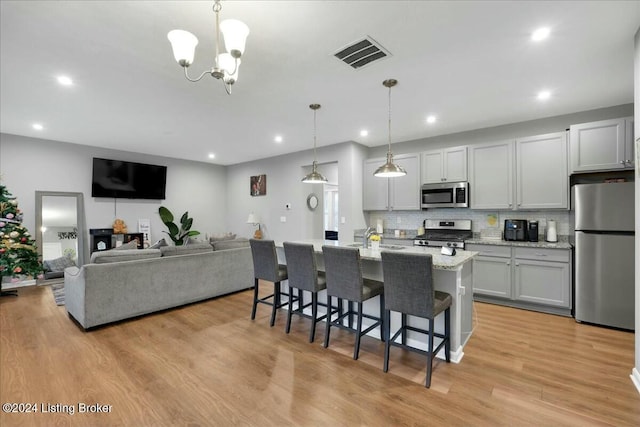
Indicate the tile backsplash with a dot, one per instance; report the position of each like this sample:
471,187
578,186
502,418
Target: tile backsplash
480,219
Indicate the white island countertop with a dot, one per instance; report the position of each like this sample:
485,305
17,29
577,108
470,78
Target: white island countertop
440,262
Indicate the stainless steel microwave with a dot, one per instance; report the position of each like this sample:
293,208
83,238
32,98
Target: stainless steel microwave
445,195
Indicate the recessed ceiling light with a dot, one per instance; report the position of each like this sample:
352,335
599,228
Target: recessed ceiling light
364,132
37,126
544,95
278,139
540,34
212,156
65,81
431,119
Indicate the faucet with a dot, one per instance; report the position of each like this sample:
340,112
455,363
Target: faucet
365,237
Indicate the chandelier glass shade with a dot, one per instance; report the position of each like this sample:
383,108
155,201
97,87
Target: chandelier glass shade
226,63
314,177
390,169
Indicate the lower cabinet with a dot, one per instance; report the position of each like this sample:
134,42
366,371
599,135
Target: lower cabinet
532,278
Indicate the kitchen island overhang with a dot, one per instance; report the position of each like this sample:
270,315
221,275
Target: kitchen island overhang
452,274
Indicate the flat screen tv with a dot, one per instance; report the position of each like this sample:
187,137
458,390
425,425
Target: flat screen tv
128,180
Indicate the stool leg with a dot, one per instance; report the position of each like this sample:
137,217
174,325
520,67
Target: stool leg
300,300
447,333
289,312
328,326
350,316
430,355
314,315
404,328
383,321
276,302
387,338
255,300
356,349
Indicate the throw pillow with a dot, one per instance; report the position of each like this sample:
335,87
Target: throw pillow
221,237
131,245
58,264
157,245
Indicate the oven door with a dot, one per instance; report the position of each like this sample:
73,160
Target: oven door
445,195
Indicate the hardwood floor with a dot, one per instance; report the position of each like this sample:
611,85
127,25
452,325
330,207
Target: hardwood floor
209,364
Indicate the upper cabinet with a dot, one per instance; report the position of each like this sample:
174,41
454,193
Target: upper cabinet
401,193
532,171
542,181
447,165
602,145
491,175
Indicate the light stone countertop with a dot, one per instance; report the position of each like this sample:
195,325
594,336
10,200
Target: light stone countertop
440,262
561,244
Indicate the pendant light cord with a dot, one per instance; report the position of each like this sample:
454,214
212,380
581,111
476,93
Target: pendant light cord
314,135
389,119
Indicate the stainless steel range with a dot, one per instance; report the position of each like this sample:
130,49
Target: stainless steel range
442,232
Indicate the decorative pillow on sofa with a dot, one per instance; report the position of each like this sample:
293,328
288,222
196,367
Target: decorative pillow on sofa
219,237
193,248
221,245
126,246
117,255
58,264
157,245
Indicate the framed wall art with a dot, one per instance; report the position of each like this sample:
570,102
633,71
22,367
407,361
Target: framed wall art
258,185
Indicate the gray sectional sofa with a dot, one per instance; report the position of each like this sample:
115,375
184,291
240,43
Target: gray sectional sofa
119,285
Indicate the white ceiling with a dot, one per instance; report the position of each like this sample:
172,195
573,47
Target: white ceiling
471,63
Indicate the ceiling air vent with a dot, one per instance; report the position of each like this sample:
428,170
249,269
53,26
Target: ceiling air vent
361,52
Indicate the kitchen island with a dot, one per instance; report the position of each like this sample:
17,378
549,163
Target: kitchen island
452,274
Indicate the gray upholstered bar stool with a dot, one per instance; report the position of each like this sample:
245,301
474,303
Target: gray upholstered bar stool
408,286
266,267
344,281
304,276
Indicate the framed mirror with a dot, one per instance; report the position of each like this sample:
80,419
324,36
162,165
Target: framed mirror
60,227
312,201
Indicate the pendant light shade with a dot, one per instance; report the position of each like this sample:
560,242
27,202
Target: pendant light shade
314,177
390,169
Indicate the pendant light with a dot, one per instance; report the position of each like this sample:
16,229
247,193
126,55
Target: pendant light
390,169
314,177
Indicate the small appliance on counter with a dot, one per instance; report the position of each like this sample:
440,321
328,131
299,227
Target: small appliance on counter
533,231
515,230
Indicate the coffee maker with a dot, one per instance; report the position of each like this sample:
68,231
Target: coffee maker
533,231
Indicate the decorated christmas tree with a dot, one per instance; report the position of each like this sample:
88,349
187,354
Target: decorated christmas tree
18,255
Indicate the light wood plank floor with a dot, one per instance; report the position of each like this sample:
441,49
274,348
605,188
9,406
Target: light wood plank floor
209,364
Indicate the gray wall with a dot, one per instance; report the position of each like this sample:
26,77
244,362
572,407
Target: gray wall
28,165
636,372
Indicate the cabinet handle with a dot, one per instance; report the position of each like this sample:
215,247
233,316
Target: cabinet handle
509,263
517,264
622,162
541,254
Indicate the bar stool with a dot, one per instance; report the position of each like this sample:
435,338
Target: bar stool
408,286
304,276
344,280
266,267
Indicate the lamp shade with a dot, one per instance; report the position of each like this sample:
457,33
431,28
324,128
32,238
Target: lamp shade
228,63
390,169
235,36
253,219
184,45
314,177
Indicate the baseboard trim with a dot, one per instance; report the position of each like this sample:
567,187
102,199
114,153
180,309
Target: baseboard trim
635,378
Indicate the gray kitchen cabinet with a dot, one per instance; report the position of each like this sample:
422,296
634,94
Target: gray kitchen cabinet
491,175
602,145
401,193
526,277
532,171
542,180
446,165
492,270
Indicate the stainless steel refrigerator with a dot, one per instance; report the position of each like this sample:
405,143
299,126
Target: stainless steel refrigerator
604,253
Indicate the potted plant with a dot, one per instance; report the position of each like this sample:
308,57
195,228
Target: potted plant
179,235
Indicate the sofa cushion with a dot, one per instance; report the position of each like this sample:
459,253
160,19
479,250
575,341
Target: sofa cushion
193,248
117,255
126,246
157,245
58,264
231,244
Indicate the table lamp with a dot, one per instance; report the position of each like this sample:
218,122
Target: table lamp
253,219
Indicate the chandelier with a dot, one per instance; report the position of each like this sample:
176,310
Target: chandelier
390,169
226,64
314,177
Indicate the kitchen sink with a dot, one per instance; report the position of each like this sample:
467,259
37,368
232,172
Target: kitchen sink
392,247
354,245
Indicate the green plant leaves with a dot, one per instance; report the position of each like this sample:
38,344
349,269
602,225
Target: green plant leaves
176,234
